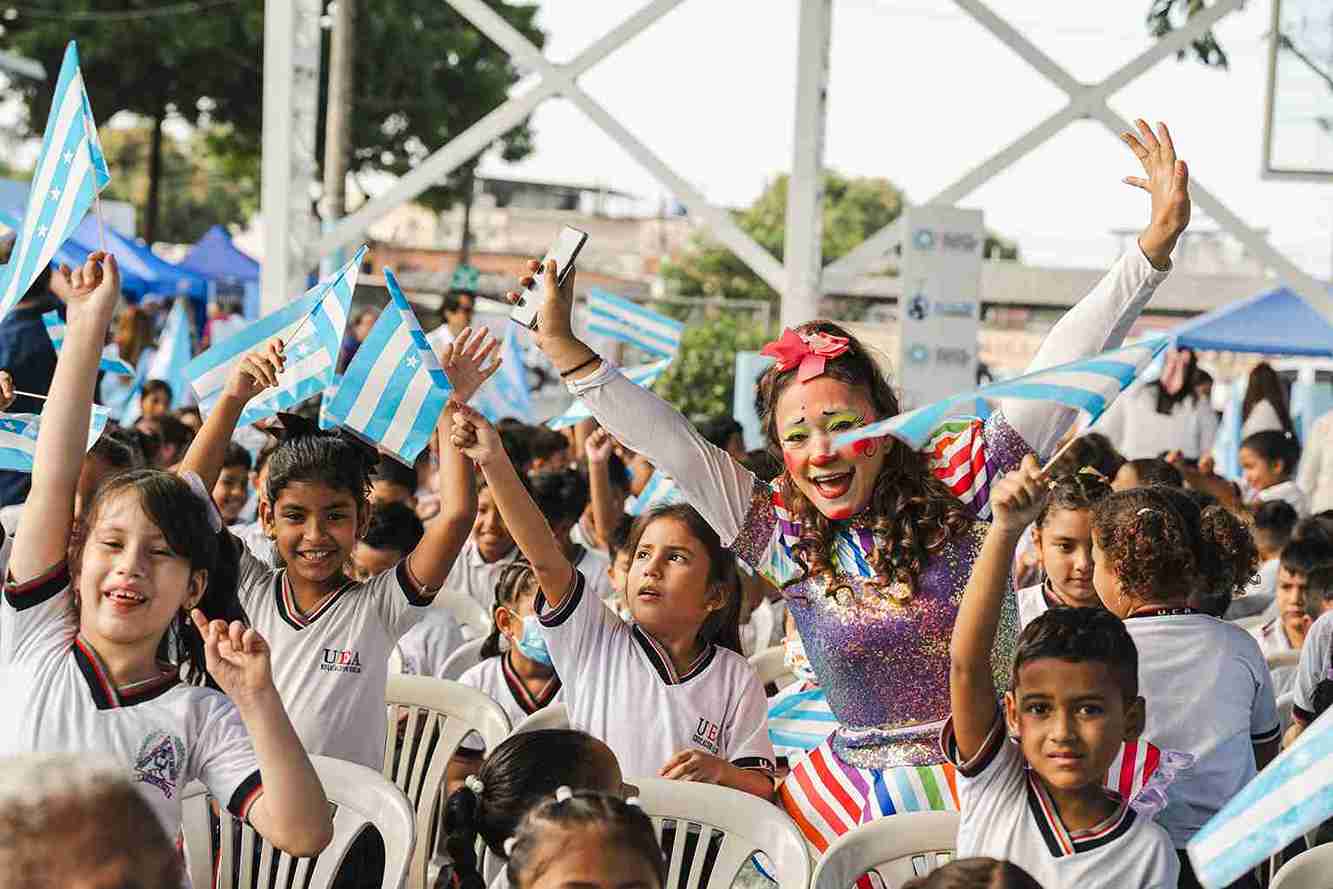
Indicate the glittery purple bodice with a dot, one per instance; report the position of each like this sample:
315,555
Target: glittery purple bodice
884,663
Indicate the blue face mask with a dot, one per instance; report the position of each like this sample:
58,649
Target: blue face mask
532,645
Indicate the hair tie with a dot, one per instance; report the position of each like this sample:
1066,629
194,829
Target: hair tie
1147,510
633,801
563,793
474,784
509,845
809,351
1094,472
210,509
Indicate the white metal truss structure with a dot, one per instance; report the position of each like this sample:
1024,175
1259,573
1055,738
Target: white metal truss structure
803,278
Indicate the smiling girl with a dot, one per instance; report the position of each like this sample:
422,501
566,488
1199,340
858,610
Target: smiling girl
871,544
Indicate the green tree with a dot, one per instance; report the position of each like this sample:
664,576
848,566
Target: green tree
1165,16
701,381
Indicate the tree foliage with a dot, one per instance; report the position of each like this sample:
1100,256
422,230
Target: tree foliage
701,381
1165,16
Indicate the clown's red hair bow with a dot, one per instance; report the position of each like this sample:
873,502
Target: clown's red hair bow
809,351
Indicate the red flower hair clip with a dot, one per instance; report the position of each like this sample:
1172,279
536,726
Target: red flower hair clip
809,351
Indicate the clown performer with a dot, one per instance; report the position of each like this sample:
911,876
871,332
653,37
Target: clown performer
870,544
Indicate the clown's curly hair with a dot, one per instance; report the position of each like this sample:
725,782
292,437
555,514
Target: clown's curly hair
911,514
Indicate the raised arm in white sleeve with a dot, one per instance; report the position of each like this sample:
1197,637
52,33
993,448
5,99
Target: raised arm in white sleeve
713,483
1098,322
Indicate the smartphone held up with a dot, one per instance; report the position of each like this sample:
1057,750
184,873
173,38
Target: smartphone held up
565,252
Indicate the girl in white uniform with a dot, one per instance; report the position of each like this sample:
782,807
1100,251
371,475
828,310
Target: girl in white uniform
84,644
1268,461
670,668
332,635
1062,537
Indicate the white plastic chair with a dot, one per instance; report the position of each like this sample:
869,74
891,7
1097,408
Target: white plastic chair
464,658
771,666
1312,869
551,716
897,848
737,823
1279,659
439,714
471,615
360,798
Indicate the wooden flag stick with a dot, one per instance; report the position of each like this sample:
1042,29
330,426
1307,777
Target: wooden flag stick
1046,470
18,394
101,231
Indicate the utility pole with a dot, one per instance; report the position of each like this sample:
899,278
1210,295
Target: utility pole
338,116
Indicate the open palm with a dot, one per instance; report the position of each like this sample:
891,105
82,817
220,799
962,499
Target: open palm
465,361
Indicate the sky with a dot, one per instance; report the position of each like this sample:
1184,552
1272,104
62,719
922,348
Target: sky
919,93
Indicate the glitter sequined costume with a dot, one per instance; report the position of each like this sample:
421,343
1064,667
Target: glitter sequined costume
883,663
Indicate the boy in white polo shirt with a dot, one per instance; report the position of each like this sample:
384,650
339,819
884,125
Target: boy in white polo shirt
1073,702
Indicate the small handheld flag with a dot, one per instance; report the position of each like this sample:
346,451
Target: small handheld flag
311,349
661,490
393,390
18,437
111,361
644,375
621,319
175,347
71,172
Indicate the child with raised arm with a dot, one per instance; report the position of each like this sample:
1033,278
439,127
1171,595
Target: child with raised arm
332,634
676,666
87,632
1072,702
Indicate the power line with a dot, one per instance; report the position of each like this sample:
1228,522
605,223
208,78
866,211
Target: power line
190,8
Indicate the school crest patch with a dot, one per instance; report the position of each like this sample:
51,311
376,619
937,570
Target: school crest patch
160,761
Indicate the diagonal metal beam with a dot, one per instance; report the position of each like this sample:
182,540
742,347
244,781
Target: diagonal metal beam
1084,101
475,138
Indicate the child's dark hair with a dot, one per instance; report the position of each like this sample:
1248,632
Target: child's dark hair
618,539
546,443
616,472
620,822
1156,471
516,581
1318,592
764,465
173,432
394,526
1304,554
120,449
1162,546
261,458
1316,527
1078,491
309,454
717,431
722,627
561,495
395,473
1275,520
237,457
152,387
1080,634
522,772
183,518
1093,450
911,514
975,873
1322,698
516,439
1273,446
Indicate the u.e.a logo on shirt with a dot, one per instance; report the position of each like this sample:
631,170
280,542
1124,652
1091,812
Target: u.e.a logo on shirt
340,660
159,762
707,735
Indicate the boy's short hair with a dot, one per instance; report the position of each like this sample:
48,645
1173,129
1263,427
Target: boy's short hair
1275,519
1081,634
1318,589
718,431
561,495
394,526
174,432
1304,554
1156,471
395,473
152,387
237,457
546,443
618,539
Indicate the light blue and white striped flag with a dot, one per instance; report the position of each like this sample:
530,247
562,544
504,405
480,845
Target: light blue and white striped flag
506,394
111,361
311,347
645,375
174,350
71,171
1292,795
18,437
393,390
1087,386
661,490
621,319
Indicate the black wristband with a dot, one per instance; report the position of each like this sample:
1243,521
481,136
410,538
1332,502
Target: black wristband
578,367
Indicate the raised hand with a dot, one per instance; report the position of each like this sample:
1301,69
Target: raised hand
599,446
257,371
465,361
475,437
1017,498
1166,179
554,322
92,289
7,395
237,658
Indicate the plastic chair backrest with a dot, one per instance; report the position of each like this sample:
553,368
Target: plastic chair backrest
692,818
470,614
428,718
1312,869
898,848
771,666
464,658
360,798
551,716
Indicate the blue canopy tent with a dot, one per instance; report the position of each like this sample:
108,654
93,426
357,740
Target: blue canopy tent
73,252
216,258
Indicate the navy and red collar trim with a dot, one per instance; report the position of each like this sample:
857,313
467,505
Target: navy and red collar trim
54,581
1062,843
291,612
1162,611
527,702
660,658
104,692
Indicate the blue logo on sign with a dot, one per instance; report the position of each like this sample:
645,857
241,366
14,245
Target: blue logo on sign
918,354
924,239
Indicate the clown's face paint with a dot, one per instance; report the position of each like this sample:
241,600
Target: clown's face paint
809,415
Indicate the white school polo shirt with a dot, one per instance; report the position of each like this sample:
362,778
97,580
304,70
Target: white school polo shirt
621,686
594,566
495,678
1033,602
1007,814
331,666
1272,639
1208,693
1316,665
474,576
59,698
423,650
